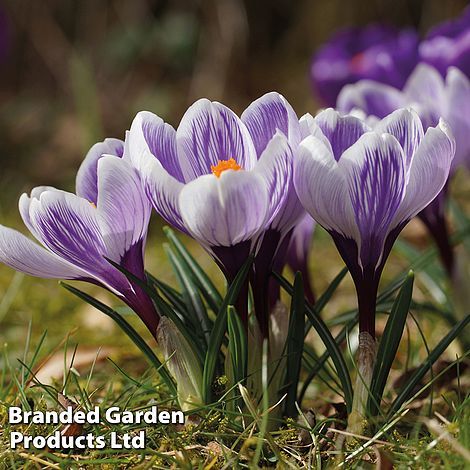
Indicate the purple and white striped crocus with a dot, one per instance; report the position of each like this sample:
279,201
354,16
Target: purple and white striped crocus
376,52
432,98
106,218
218,178
448,44
363,186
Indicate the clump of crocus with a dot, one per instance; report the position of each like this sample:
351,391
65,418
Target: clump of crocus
448,44
363,186
107,218
432,98
220,179
376,52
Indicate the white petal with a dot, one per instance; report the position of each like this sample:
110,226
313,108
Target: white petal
322,188
224,211
429,172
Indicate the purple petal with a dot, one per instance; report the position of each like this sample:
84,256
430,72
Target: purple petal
123,208
86,181
210,132
69,227
150,134
268,114
341,131
428,173
375,99
321,188
405,125
22,254
227,210
375,172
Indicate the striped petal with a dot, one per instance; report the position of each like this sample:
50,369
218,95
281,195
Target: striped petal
123,208
267,115
86,181
227,210
22,254
150,135
210,132
375,172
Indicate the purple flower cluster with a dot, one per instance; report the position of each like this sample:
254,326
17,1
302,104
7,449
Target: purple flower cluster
239,186
387,55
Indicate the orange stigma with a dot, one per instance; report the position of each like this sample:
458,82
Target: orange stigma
223,165
92,204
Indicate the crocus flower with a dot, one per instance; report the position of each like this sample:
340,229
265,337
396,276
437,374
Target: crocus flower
298,250
363,186
448,44
376,52
218,178
107,218
432,98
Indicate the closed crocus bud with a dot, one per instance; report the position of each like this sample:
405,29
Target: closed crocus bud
376,52
448,44
182,363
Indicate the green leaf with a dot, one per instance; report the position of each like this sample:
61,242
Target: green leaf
130,332
164,309
237,345
190,294
208,290
329,342
219,329
295,341
389,343
407,390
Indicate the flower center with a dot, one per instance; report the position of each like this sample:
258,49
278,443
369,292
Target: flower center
223,165
92,204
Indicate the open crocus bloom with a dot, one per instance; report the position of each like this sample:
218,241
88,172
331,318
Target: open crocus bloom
448,44
364,186
432,98
376,52
107,218
218,178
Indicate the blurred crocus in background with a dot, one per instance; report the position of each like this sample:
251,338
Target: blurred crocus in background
377,52
107,218
299,247
448,44
432,97
363,186
215,178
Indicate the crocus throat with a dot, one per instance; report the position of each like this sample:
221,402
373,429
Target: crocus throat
223,165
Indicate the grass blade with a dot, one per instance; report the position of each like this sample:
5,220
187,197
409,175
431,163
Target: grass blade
210,292
219,329
237,345
389,343
190,293
408,388
130,332
295,340
329,342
